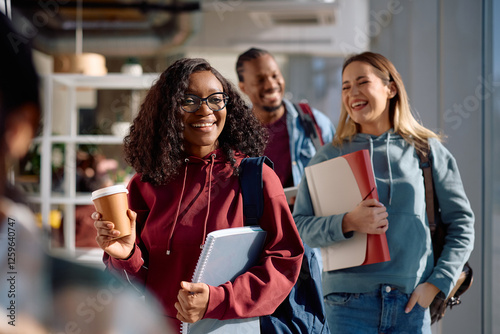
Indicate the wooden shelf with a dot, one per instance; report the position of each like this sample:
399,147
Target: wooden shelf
62,91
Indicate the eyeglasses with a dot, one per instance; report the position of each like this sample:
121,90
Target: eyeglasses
216,102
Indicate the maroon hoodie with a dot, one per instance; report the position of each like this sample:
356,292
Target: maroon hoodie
174,220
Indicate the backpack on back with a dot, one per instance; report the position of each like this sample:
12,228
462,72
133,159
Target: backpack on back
303,310
309,124
438,229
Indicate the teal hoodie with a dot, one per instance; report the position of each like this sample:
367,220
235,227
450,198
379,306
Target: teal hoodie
400,187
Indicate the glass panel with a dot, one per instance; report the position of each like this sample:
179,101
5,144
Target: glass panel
97,109
319,83
57,160
495,170
85,231
27,171
112,114
55,225
100,166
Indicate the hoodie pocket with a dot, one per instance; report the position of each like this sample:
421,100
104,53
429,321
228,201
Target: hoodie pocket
409,242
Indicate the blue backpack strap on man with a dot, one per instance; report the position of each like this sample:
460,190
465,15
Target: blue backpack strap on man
309,124
303,310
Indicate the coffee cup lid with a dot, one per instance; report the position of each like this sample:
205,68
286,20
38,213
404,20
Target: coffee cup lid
111,190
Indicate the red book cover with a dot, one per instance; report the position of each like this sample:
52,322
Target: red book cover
377,249
337,186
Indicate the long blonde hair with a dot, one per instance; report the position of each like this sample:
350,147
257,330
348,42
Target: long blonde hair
400,115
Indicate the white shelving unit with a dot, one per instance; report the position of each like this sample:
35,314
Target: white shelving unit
69,84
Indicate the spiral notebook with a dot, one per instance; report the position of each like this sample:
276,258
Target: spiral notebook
227,253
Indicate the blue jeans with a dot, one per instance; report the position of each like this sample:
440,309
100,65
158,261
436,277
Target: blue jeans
379,311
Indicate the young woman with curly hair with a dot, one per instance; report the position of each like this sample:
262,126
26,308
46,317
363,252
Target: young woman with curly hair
394,296
186,143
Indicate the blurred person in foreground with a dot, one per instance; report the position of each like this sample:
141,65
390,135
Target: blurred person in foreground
41,293
21,260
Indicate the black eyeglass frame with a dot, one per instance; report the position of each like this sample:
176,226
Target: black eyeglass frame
225,99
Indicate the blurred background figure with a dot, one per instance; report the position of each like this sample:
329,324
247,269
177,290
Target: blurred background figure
290,146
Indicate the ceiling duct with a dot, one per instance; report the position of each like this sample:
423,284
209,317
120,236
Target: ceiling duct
289,26
303,18
111,28
148,28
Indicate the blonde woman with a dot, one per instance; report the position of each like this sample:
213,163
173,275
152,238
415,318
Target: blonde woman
392,296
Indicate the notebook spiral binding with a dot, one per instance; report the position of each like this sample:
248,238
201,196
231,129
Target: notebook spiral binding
199,270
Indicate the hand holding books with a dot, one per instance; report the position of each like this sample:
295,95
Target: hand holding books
193,301
227,253
369,216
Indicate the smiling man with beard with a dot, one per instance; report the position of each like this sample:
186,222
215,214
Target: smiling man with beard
289,146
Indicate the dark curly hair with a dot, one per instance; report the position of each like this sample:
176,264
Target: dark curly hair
155,145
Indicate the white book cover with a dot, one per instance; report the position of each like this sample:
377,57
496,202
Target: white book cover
333,189
227,253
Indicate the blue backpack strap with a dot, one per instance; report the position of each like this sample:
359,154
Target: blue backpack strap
252,188
303,310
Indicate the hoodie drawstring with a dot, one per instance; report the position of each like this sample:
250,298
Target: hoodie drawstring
388,162
371,155
389,166
208,203
212,162
178,207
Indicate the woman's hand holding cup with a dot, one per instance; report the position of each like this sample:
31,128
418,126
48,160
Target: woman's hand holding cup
114,222
108,238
